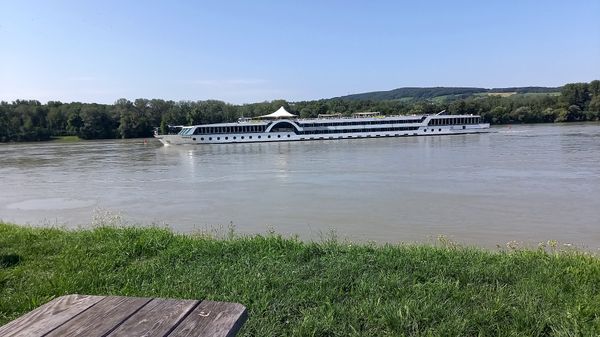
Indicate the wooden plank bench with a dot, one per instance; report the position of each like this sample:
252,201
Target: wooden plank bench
82,315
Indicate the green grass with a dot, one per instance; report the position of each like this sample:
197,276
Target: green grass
66,139
501,94
533,94
294,288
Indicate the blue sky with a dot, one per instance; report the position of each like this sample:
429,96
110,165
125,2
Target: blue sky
251,51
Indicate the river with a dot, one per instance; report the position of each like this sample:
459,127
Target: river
524,183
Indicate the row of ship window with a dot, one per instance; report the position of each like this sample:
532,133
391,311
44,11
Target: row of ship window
377,122
454,121
314,132
288,136
230,129
242,137
354,131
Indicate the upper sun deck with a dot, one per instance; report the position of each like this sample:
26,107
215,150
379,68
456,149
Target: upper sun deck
338,119
360,118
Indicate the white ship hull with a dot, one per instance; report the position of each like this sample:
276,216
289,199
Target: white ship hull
291,136
285,128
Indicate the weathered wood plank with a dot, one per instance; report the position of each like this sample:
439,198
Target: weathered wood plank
157,318
210,318
48,316
101,318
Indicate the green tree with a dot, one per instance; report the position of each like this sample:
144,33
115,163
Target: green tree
595,103
96,124
74,121
549,115
575,94
57,120
594,88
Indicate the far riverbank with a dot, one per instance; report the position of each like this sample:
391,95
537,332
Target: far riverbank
30,120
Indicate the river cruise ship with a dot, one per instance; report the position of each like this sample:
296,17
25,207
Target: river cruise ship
284,126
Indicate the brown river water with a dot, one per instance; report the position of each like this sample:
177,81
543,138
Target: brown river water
525,183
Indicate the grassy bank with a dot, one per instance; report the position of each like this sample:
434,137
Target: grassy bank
66,139
311,289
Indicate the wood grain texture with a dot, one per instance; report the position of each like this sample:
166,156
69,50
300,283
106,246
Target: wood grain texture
49,316
155,319
215,319
115,316
102,318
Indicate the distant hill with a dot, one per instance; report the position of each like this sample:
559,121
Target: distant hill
443,93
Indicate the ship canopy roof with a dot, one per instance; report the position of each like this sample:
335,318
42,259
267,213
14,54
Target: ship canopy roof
280,113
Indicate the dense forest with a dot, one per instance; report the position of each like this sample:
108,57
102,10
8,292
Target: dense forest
28,120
